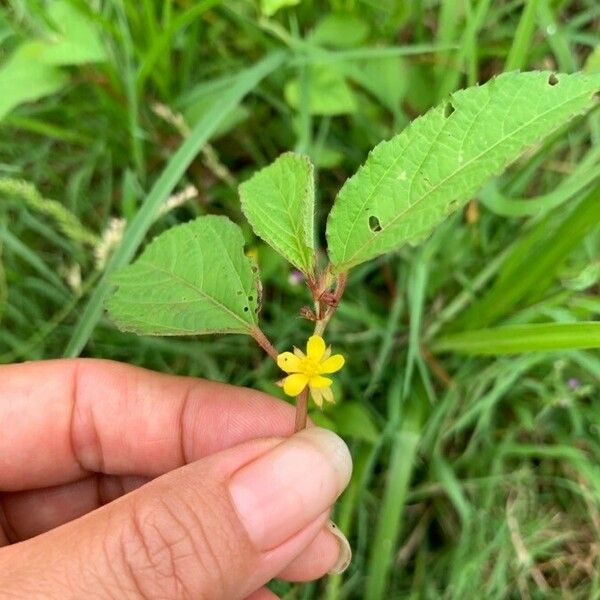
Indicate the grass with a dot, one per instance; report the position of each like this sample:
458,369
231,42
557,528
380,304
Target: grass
476,475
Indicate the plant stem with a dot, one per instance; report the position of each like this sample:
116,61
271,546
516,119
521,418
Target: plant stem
301,410
321,324
263,342
302,398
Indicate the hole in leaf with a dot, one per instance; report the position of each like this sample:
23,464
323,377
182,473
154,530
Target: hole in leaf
448,109
452,206
250,298
374,224
553,79
254,269
246,309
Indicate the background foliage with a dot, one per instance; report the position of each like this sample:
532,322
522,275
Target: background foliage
475,476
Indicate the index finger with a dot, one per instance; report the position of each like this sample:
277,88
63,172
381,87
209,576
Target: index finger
63,419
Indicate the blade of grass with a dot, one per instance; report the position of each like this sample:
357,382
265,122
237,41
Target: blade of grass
389,337
319,55
561,452
417,284
467,51
26,347
464,298
25,253
500,378
365,458
587,361
164,41
134,235
534,261
448,22
67,222
447,478
522,42
133,109
556,38
573,185
404,444
514,339
45,129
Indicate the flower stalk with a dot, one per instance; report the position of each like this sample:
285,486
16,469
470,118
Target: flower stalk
305,371
301,410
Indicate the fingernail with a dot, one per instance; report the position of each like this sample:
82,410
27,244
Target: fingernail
287,488
345,555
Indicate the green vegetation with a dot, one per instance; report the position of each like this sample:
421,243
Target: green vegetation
470,398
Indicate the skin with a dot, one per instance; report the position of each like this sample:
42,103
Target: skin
113,484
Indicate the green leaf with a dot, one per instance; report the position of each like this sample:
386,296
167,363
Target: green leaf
75,41
192,279
385,78
328,94
279,203
513,339
270,7
24,78
326,157
411,182
31,72
352,419
340,31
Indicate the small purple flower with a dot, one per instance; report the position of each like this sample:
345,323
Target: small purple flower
574,383
296,277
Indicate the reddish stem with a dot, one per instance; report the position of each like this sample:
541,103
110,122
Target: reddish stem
264,342
301,410
337,296
341,286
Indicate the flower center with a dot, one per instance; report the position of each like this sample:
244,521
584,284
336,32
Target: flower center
310,367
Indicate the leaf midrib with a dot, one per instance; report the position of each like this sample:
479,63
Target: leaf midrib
202,293
281,247
298,237
348,262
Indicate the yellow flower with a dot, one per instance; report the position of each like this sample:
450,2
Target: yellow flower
308,369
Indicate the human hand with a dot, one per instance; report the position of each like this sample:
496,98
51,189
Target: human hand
116,482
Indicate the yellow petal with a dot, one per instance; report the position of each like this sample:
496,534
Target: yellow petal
317,396
328,394
294,384
315,348
332,364
289,363
320,382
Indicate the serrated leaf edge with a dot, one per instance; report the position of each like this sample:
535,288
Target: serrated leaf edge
307,218
247,329
348,263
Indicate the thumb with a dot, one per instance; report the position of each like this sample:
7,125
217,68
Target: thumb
219,528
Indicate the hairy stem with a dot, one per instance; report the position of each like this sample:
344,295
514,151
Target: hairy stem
263,342
301,410
321,324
